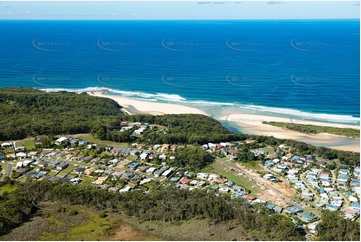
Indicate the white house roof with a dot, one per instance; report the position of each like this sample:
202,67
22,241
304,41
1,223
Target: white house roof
61,139
6,144
21,154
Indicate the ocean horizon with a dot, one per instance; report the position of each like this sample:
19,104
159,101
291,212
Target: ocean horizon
298,69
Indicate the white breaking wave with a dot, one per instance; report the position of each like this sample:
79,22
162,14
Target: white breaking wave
332,118
175,98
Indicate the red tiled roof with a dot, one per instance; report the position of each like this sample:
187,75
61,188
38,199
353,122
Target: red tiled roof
185,180
248,197
350,211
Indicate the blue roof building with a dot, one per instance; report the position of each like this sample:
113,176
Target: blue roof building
293,210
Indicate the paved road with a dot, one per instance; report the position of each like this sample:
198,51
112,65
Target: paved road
302,177
346,203
8,169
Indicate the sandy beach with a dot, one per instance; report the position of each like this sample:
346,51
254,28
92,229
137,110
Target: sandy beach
132,106
247,123
252,124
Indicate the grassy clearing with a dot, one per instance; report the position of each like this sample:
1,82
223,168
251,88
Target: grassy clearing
254,165
66,171
91,139
52,173
94,229
87,224
218,167
86,180
148,185
29,144
7,188
9,150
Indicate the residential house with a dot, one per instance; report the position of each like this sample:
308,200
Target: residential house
133,165
128,175
125,189
113,189
151,170
21,155
224,190
269,163
293,210
239,193
162,157
249,197
332,207
62,166
229,183
175,179
99,180
54,163
167,173
144,155
164,147
6,145
79,170
307,217
159,172
89,170
277,209
185,180
20,148
282,166
212,146
143,168
202,175
61,141
173,147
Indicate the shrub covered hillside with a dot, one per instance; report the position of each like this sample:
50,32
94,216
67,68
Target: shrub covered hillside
163,204
181,129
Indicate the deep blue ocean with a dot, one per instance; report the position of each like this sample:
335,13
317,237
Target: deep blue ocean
309,69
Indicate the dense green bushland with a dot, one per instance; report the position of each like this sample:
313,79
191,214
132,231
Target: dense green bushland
314,129
162,204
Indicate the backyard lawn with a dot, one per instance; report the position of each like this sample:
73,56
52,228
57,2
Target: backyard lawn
28,144
7,188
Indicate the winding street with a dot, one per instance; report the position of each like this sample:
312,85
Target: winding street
308,185
346,202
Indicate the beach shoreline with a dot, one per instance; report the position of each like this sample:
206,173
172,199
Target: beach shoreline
133,106
246,123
